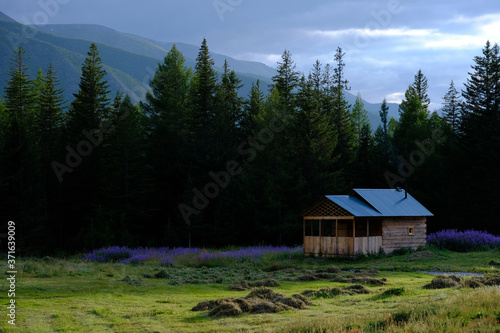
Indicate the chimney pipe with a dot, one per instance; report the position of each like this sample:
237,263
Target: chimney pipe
406,190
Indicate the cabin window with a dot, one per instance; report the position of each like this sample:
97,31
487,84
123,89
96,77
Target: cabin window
411,231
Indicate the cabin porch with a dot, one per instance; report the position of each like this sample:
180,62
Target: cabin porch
330,236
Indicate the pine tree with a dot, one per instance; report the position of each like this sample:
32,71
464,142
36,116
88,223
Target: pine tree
383,113
228,115
412,123
338,108
452,107
480,139
126,185
286,80
359,118
91,104
420,86
19,158
88,126
203,87
172,140
252,109
382,137
314,140
49,127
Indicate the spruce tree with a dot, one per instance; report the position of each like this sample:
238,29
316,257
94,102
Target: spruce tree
480,139
88,126
252,109
420,86
452,107
359,118
19,158
338,108
172,140
203,87
286,80
49,127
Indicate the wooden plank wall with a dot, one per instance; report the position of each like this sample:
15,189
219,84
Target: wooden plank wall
365,245
315,246
395,233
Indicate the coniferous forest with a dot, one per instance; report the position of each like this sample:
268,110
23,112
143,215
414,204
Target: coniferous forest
195,163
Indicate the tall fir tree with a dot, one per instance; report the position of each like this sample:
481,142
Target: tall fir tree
286,80
49,130
480,139
88,126
382,142
171,141
314,140
252,108
359,118
339,109
421,86
20,158
452,107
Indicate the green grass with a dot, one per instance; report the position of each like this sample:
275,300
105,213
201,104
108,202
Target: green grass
56,295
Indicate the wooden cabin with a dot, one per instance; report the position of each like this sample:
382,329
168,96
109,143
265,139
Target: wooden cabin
364,222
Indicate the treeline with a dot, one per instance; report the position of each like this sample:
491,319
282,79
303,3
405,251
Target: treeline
195,163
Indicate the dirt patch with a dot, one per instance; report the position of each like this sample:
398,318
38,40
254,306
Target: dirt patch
245,285
421,255
454,281
260,300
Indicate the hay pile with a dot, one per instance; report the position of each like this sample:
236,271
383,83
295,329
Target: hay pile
365,276
421,255
245,285
260,300
454,281
330,292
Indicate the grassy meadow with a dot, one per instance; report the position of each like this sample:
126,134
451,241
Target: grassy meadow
75,295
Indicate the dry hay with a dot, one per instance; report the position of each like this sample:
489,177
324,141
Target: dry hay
445,281
365,276
454,281
306,277
208,305
359,277
494,263
245,285
356,289
260,300
421,255
226,309
330,292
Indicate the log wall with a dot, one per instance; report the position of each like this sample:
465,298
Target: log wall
395,233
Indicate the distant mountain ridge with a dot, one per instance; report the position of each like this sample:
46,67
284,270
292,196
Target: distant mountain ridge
130,60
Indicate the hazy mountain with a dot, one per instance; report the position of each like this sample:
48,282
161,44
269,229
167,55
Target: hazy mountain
129,60
373,109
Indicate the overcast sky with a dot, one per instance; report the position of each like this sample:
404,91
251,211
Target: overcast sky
386,42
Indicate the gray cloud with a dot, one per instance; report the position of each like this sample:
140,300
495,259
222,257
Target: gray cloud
387,41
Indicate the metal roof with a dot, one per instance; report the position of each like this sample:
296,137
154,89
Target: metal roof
353,205
380,203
